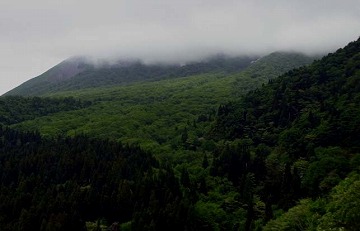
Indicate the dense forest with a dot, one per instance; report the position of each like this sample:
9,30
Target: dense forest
158,115
295,138
59,183
15,109
218,151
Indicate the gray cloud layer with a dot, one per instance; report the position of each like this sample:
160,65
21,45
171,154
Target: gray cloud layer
38,34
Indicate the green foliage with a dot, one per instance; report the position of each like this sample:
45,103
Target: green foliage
15,109
58,184
308,120
300,217
324,172
155,115
339,211
343,209
220,209
309,97
149,113
269,67
209,215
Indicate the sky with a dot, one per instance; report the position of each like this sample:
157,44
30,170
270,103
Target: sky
38,34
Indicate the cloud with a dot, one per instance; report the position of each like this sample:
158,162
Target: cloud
37,34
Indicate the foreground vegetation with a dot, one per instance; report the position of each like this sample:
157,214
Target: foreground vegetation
58,184
299,138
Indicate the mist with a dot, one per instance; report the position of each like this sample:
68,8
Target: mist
39,34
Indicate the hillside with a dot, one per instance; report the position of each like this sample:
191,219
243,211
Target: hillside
64,71
268,67
81,73
64,183
157,114
15,109
297,138
267,160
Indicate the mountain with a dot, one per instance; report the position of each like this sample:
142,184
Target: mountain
160,155
81,73
156,114
53,77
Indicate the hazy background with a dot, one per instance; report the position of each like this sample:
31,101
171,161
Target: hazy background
36,35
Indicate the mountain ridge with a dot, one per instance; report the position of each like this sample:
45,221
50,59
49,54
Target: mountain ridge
82,72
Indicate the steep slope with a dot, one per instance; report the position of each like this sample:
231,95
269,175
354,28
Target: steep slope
293,139
52,78
79,73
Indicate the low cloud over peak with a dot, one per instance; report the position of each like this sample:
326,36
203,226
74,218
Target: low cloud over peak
39,34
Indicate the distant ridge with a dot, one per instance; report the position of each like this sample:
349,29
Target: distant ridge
80,72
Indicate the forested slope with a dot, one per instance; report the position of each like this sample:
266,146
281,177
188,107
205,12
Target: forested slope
167,114
239,166
269,67
295,138
62,183
15,109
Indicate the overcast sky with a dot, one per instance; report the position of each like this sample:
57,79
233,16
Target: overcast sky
36,35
